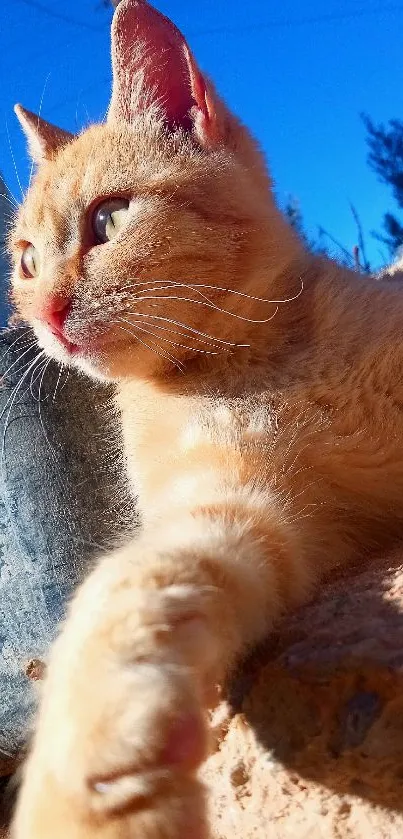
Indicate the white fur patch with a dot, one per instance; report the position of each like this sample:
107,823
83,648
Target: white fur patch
191,436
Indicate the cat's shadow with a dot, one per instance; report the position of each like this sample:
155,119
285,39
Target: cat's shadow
324,696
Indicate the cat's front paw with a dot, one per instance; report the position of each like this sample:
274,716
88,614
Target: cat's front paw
121,734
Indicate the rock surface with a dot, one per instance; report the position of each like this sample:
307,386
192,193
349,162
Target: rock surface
310,745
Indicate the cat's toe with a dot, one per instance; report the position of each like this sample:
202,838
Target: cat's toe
121,762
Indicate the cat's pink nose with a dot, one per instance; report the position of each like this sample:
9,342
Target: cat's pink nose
55,312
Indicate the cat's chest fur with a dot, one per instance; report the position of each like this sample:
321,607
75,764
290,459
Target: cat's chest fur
177,446
188,451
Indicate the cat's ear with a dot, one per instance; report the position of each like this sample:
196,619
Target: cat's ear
43,138
153,67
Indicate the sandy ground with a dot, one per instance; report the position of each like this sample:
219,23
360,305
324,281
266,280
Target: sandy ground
311,742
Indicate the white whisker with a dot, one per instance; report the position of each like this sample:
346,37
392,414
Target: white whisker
51,448
10,401
190,328
14,163
20,337
166,356
13,397
39,116
12,201
138,324
208,304
195,286
61,369
209,343
66,379
35,375
17,360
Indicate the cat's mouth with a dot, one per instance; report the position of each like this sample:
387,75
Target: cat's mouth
89,347
72,349
55,340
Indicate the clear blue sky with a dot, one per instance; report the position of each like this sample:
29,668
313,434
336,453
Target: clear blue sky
299,73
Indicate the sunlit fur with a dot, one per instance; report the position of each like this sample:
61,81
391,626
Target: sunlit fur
262,421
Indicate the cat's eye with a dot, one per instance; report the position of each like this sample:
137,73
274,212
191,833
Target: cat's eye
30,262
109,218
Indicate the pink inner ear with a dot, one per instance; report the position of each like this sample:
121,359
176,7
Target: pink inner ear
169,79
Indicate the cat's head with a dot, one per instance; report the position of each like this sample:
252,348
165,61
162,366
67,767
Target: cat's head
138,235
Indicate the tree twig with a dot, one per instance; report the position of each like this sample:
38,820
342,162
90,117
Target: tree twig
348,256
361,241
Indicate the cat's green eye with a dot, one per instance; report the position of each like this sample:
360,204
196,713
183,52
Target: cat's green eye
30,262
109,218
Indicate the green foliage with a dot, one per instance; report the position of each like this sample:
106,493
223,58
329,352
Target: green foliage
385,158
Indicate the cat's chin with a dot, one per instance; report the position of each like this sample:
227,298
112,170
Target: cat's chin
106,361
90,367
71,355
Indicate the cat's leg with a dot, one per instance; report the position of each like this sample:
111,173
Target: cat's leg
122,728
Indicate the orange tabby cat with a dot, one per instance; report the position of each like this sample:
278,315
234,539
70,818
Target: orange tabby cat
260,391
